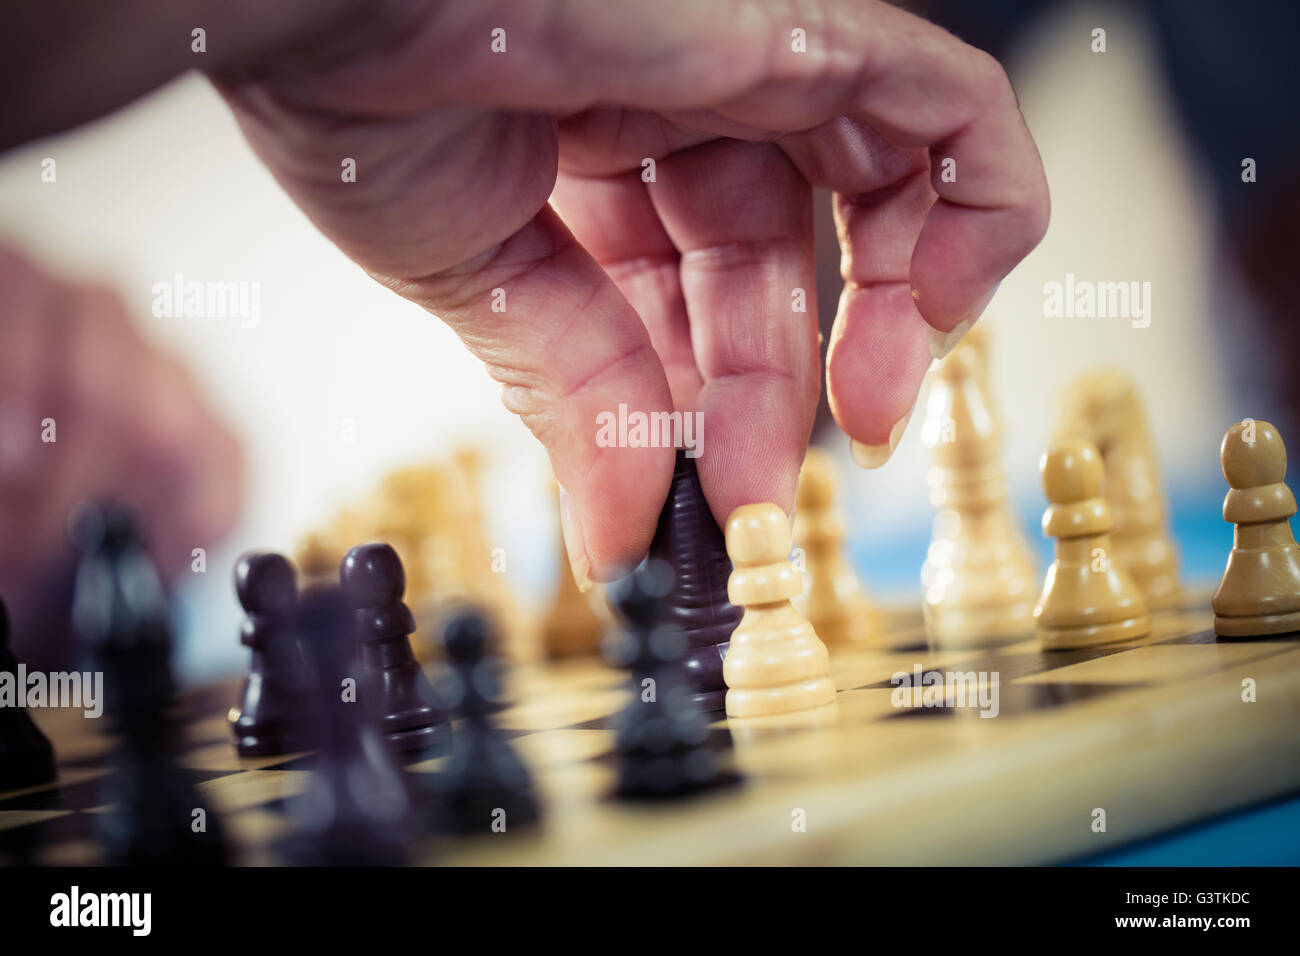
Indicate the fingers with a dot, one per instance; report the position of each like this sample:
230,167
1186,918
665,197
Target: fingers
449,210
568,350
604,141
939,205
929,223
877,357
988,218
741,214
731,69
615,221
880,346
919,87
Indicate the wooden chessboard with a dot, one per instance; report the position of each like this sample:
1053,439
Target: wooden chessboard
1155,732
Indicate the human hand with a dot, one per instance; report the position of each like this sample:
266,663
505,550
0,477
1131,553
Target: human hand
675,293
88,409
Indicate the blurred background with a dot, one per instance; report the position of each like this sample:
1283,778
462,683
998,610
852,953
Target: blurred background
341,381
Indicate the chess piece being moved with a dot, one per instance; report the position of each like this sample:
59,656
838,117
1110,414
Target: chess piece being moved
120,615
484,787
356,809
1105,409
1259,593
776,663
978,577
690,542
26,757
571,627
662,734
263,720
832,599
395,687
1088,598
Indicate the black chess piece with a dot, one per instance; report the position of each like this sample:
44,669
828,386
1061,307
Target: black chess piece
692,544
120,615
356,809
395,687
26,757
263,722
662,736
485,786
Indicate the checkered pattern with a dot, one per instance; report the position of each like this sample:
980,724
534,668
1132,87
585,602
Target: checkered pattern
1130,728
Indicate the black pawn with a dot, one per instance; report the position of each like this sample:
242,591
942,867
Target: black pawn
120,614
692,544
270,694
26,757
485,787
662,741
356,808
396,689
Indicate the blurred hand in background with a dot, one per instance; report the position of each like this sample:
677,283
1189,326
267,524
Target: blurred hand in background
88,408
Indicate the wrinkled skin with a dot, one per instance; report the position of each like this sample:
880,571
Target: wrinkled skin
522,171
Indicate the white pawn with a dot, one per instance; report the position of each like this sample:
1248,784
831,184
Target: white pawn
1087,598
776,664
1259,593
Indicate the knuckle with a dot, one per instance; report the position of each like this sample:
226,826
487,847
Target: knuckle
1036,213
990,83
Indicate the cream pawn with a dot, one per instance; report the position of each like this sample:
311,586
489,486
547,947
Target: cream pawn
1087,598
776,663
1260,590
1104,407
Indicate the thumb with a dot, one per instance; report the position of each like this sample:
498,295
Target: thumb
568,349
453,215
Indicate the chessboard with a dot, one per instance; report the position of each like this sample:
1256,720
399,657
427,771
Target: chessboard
1156,733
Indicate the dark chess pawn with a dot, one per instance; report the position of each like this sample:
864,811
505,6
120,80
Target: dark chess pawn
690,541
485,787
262,721
662,741
120,615
26,757
356,809
395,687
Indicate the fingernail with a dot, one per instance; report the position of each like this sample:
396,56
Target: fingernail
873,456
574,546
581,569
941,343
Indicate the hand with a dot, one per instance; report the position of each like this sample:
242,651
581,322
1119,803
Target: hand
678,292
88,409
